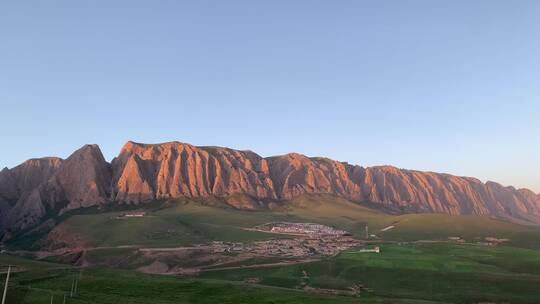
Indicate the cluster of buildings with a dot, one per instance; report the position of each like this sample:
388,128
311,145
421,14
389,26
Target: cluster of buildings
486,241
310,242
299,247
301,228
132,214
495,240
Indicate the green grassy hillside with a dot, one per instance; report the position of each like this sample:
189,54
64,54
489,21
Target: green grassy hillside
184,222
409,227
174,223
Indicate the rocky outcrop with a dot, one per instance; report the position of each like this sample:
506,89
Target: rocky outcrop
53,186
20,184
83,180
27,176
145,172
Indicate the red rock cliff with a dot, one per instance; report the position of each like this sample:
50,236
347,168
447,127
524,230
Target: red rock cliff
144,172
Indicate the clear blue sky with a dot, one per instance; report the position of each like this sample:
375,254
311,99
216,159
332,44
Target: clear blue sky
449,86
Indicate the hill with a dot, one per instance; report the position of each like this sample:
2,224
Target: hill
42,189
184,222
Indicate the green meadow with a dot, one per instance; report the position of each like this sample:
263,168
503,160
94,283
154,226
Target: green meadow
43,281
406,271
185,222
436,272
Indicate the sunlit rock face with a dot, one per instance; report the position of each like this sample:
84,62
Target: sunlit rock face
146,172
34,190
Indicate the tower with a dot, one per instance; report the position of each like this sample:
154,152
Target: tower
367,231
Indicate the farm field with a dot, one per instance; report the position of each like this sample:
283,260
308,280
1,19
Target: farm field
418,263
406,273
436,272
107,286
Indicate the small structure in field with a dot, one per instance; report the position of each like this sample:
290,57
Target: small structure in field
456,239
375,249
133,214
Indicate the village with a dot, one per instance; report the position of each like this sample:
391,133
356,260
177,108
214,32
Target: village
314,239
300,229
310,242
298,247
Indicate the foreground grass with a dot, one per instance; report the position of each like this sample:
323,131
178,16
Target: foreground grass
38,284
406,273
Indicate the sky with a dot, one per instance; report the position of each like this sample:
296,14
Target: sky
445,86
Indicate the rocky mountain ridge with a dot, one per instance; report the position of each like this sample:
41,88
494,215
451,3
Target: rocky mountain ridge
39,188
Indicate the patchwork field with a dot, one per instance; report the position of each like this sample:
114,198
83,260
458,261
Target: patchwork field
437,272
406,273
424,258
43,281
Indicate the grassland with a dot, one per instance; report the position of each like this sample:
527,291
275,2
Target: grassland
184,222
401,273
409,227
405,272
108,286
437,272
173,223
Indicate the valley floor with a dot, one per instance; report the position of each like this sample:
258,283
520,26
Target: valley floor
400,273
212,256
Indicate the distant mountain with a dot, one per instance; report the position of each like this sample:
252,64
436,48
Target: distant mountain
43,188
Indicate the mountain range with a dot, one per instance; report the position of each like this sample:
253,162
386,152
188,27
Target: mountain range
44,188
